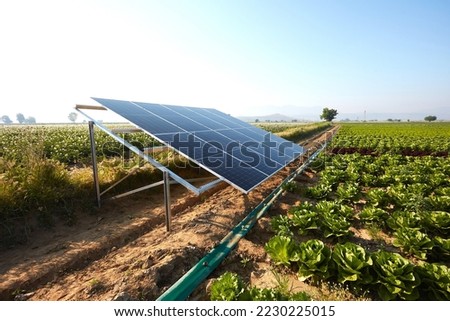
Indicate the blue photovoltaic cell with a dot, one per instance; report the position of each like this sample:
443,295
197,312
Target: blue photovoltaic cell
201,118
237,152
227,121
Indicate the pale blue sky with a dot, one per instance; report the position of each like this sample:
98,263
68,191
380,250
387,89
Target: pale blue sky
247,57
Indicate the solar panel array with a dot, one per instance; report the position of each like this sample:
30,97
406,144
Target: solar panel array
239,153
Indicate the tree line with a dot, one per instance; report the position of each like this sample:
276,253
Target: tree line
21,119
328,114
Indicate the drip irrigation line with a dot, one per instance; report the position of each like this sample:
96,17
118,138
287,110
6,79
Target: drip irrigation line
181,289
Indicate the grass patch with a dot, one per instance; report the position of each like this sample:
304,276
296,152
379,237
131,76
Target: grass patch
37,191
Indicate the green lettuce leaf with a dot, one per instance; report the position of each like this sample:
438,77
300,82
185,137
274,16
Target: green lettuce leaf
352,263
396,277
313,260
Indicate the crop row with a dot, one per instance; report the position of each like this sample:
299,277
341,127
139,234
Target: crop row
295,132
68,144
408,139
391,181
389,274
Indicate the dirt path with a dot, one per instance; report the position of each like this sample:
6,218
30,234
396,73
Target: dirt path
123,250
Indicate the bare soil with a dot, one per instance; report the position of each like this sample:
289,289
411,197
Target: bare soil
122,251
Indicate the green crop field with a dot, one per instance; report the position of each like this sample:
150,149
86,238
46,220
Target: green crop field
377,221
68,144
45,171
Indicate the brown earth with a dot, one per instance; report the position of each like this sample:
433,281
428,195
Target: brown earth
123,251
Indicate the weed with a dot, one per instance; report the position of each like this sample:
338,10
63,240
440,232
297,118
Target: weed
282,283
374,231
245,260
327,291
291,187
95,285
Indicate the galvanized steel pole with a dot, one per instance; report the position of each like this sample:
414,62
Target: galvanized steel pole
94,162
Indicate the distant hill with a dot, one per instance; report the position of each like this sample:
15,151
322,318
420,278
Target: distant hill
441,115
305,114
272,118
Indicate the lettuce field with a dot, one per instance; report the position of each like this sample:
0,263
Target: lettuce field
371,214
376,218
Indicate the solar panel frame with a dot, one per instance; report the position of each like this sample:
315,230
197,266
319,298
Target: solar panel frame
176,127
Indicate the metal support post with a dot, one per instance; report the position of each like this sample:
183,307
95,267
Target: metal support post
94,162
166,179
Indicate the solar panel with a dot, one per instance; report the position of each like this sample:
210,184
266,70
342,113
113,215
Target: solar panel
235,151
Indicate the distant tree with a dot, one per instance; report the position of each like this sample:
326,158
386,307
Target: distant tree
30,120
73,117
256,120
20,118
6,120
430,118
390,119
328,114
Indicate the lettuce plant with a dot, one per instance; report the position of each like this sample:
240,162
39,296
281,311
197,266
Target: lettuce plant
408,197
280,293
396,277
443,190
368,179
403,219
333,218
333,207
437,221
352,263
302,206
441,249
332,176
413,241
347,192
373,214
435,281
438,203
282,250
265,294
313,260
345,211
319,191
326,207
228,287
334,225
281,225
305,220
378,197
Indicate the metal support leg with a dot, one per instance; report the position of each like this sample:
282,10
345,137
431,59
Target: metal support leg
94,162
166,178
